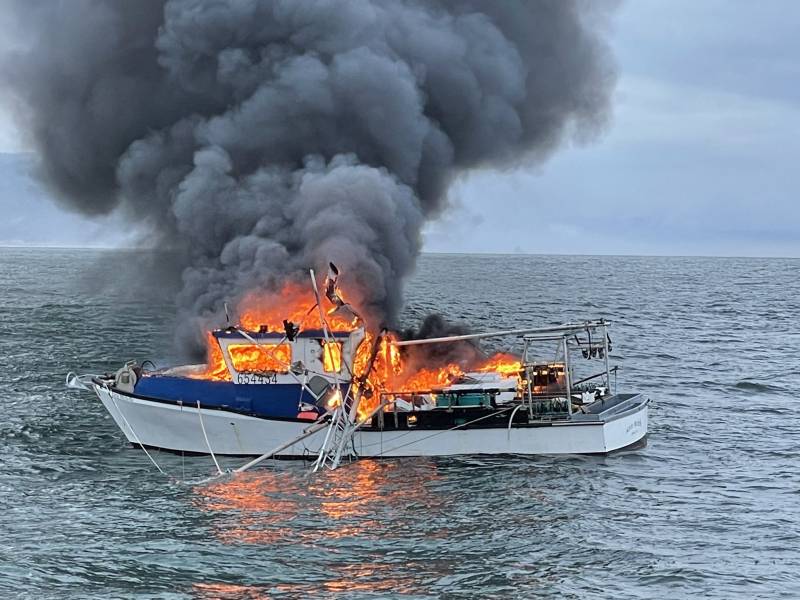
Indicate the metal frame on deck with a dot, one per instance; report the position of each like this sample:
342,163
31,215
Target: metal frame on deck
561,334
344,423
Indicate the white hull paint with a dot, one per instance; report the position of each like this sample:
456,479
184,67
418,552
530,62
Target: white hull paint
180,428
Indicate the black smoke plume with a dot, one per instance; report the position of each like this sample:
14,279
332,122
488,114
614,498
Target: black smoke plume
436,356
259,138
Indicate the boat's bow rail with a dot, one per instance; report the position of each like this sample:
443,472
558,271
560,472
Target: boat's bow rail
611,407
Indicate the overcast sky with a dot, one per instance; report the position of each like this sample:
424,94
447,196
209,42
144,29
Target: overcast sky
700,157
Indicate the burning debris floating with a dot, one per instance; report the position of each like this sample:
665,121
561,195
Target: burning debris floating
296,378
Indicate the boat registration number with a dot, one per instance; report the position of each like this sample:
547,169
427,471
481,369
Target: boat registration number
256,378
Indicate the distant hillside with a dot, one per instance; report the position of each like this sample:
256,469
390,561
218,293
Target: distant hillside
30,217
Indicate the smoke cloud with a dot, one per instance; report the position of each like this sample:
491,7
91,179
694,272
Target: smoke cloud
261,138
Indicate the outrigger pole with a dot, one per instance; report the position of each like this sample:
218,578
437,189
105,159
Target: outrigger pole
561,329
314,428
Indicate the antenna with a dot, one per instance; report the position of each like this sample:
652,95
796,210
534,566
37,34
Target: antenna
227,316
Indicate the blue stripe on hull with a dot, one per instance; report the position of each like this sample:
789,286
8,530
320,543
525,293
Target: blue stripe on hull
280,400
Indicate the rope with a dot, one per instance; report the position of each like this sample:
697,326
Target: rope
136,437
200,414
80,382
316,426
511,419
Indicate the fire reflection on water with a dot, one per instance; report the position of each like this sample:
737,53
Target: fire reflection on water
363,500
229,591
262,507
343,579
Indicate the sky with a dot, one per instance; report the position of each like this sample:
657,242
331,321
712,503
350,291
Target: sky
699,157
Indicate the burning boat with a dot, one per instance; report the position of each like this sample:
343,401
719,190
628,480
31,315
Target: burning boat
337,391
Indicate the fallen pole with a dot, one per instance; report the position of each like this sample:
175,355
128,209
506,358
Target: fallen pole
308,432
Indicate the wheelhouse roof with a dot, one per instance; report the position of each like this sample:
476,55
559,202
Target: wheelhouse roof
272,335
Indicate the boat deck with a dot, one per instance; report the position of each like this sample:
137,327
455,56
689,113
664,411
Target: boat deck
609,407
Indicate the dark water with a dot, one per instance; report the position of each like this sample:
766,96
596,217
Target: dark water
709,509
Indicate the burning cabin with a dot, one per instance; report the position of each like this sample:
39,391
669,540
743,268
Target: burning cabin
261,374
337,395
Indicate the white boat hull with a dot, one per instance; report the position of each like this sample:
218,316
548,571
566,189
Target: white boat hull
188,429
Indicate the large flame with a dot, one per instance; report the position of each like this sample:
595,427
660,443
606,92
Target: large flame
332,357
216,369
261,358
503,363
390,370
292,303
393,374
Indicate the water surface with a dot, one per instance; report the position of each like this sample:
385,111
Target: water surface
709,508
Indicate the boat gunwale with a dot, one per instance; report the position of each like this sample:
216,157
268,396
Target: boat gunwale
582,422
635,445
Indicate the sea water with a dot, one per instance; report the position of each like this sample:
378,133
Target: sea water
710,508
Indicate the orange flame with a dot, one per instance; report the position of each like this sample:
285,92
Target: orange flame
216,369
431,379
503,363
332,357
391,371
249,358
292,303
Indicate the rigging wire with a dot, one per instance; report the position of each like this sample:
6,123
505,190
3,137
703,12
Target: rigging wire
136,437
494,414
203,427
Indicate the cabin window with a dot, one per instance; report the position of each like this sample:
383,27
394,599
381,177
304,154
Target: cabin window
252,358
332,357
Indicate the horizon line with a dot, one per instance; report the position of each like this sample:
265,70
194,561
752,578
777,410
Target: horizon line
24,246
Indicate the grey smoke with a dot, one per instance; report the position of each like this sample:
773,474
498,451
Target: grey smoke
464,354
260,138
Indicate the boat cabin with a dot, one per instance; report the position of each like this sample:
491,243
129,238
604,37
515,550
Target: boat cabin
267,357
265,374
